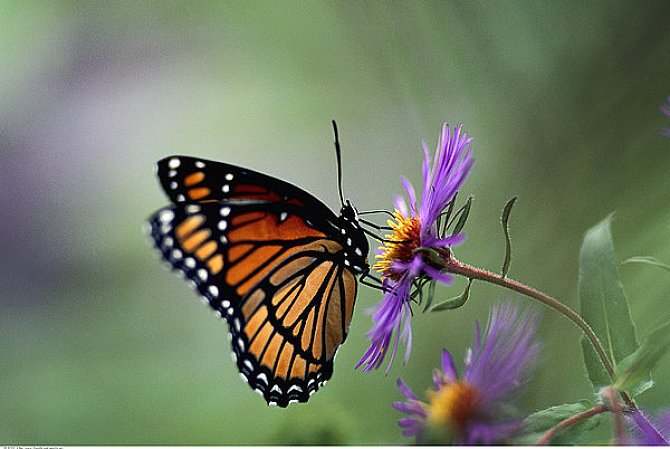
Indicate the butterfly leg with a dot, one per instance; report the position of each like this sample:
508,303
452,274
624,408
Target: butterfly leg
378,286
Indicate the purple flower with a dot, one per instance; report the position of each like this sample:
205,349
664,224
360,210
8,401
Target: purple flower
476,407
647,434
666,110
414,228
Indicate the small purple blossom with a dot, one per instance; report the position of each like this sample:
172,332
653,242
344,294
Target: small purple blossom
476,407
415,227
666,110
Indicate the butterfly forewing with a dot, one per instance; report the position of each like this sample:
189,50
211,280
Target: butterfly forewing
186,179
279,266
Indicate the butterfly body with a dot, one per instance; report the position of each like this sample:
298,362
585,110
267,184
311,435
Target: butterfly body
272,260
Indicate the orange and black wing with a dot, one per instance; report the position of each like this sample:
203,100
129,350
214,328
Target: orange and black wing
187,179
277,276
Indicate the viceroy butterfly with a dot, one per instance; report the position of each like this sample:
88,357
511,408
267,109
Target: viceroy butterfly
272,260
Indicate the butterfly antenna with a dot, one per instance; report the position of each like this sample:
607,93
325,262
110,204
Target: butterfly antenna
339,163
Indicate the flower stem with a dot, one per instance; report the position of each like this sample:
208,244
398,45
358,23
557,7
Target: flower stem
452,265
618,415
549,434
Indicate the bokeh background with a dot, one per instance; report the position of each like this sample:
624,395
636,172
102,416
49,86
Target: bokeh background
101,344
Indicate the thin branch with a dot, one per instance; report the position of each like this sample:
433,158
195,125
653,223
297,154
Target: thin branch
549,434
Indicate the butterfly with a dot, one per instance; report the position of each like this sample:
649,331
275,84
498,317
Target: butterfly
272,260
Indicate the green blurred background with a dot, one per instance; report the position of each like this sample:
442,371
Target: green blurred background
101,344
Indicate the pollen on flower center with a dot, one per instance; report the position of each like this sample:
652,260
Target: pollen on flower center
454,404
402,243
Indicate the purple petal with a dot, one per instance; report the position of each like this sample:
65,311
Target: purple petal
410,432
410,193
448,366
449,241
411,408
501,362
438,275
438,380
448,172
425,167
483,433
389,316
399,204
650,436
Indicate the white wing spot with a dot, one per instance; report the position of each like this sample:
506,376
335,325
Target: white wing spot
168,241
283,216
294,388
223,239
223,224
172,173
359,252
263,378
225,188
248,364
346,262
174,163
192,208
214,290
189,262
275,388
180,197
166,216
202,274
173,185
176,254
229,177
343,231
237,324
225,303
348,241
200,164
225,211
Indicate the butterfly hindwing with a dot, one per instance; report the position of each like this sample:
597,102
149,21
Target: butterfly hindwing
277,276
295,334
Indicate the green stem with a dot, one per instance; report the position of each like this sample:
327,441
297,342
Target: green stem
452,265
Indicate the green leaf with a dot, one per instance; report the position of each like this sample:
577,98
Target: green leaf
455,302
508,243
603,303
648,261
632,373
537,424
431,295
446,215
465,211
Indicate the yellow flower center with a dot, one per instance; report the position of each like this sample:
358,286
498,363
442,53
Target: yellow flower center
402,243
453,405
